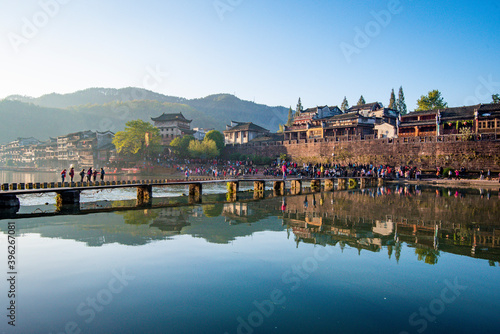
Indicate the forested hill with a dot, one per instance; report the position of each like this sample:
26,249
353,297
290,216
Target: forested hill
109,109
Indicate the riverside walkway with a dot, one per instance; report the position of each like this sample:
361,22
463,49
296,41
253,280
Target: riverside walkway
69,193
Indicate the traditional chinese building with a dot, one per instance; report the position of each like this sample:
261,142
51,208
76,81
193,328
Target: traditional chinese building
242,133
478,119
330,122
172,126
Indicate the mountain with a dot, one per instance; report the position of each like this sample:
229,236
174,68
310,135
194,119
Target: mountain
109,109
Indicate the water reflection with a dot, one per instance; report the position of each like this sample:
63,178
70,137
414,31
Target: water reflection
430,220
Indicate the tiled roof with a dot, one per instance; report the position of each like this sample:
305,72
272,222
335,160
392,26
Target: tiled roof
247,127
170,117
370,106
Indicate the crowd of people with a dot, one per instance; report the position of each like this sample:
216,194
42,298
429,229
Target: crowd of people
220,169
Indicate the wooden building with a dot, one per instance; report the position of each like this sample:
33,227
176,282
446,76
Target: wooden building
172,126
478,119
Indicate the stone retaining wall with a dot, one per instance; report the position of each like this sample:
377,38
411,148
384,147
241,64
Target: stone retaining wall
423,152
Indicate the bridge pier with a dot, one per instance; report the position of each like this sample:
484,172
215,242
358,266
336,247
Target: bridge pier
8,201
362,182
381,181
315,185
279,187
341,184
258,189
68,197
144,195
259,186
329,185
233,187
195,193
296,185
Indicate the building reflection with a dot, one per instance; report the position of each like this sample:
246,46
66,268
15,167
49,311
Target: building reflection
430,221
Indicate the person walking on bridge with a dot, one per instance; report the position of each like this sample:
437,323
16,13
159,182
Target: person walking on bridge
283,169
63,175
82,175
72,173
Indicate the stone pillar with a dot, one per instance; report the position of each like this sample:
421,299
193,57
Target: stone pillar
329,185
231,197
233,187
259,186
296,185
362,182
8,201
279,187
381,181
315,185
258,189
144,195
195,193
69,197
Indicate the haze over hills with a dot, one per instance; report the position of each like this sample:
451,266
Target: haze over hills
101,109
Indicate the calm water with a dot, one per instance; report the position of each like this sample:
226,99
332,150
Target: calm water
385,260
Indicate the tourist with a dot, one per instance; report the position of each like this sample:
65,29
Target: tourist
186,173
102,174
82,174
481,175
71,173
283,169
94,174
89,174
63,175
488,175
457,174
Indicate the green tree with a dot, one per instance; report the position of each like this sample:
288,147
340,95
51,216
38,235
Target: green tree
433,100
392,101
400,103
138,138
361,100
290,117
206,149
299,108
281,128
496,98
345,105
217,137
180,145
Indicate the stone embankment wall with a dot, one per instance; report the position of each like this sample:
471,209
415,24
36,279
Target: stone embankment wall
423,152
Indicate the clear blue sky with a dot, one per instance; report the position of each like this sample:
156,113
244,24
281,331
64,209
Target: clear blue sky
272,52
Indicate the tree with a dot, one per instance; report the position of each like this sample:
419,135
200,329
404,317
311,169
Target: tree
206,149
345,105
392,101
138,138
299,108
217,137
180,145
361,100
400,103
496,98
281,128
290,117
433,100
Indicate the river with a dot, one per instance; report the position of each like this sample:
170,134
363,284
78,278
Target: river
401,259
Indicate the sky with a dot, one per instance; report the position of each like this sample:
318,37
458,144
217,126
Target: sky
270,52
